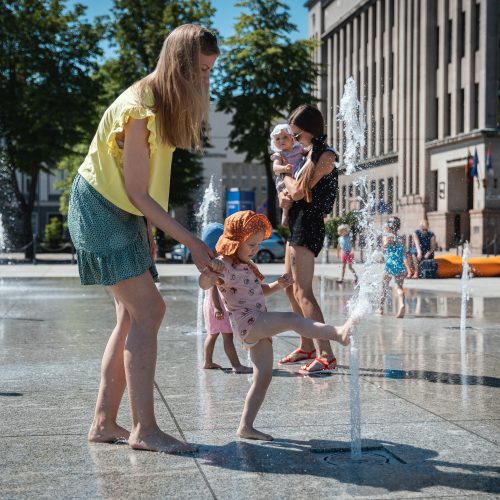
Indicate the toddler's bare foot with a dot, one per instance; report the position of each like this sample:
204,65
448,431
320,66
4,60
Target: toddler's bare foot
242,369
401,312
344,332
251,433
212,366
159,441
107,434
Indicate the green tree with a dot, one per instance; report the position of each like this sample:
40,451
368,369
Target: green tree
265,75
138,29
47,57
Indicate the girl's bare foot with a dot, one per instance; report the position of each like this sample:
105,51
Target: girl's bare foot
212,366
107,434
344,332
242,369
401,312
159,441
251,433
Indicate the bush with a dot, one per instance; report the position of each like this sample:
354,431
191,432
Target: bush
284,231
331,225
53,235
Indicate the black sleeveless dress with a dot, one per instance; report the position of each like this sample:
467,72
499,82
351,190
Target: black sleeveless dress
307,227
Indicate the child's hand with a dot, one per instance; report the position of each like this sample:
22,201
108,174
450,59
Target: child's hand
217,266
288,169
219,314
285,280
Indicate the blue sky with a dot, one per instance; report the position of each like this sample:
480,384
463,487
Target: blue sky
224,17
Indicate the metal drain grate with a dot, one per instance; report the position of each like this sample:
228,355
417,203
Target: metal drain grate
375,455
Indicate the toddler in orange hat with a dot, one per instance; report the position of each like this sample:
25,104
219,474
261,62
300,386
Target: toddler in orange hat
243,292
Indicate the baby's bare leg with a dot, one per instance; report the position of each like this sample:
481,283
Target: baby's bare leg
262,359
208,347
104,428
269,324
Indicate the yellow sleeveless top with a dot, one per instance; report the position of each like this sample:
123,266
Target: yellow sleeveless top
103,165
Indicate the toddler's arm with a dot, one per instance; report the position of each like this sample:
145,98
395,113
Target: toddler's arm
283,281
219,313
278,168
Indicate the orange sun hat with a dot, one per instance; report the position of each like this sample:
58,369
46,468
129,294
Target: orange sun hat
238,227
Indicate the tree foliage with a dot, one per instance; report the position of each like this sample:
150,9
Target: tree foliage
265,75
47,57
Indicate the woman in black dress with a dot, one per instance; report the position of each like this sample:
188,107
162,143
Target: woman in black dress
310,197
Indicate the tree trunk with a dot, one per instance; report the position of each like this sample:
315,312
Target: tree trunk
27,225
11,207
271,192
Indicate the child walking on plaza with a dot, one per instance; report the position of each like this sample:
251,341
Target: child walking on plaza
344,248
243,291
216,316
394,255
288,158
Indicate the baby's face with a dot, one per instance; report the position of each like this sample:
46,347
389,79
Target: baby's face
249,248
283,141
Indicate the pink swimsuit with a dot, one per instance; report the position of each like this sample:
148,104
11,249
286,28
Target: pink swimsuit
243,297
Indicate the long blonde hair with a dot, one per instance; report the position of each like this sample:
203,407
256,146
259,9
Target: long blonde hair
181,99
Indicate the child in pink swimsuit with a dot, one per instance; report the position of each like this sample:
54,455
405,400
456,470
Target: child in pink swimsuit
216,316
243,292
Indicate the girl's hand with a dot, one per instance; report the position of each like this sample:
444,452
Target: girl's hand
217,266
153,249
285,280
219,314
289,169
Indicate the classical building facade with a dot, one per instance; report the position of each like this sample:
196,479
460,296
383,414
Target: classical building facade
428,74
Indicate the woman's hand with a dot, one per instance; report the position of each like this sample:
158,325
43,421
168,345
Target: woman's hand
153,248
285,280
202,255
285,202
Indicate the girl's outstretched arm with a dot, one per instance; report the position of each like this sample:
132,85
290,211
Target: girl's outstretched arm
283,281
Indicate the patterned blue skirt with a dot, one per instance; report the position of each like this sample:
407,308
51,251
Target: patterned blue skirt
111,244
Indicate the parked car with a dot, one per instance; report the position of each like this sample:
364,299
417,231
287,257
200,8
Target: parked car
270,250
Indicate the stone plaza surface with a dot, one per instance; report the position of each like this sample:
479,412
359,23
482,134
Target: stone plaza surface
430,411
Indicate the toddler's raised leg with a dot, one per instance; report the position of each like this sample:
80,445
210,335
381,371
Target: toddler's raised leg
262,358
269,324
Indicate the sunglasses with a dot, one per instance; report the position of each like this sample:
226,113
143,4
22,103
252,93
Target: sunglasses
297,135
209,37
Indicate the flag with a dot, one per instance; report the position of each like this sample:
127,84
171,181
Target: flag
468,166
489,165
474,169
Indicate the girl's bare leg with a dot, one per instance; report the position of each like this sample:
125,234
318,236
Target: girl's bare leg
307,345
342,273
268,324
232,355
146,309
104,428
262,359
302,266
401,296
351,268
208,348
385,286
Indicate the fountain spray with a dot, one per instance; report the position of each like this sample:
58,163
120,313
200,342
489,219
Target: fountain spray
351,114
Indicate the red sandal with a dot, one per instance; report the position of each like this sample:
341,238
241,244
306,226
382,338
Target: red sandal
288,359
329,366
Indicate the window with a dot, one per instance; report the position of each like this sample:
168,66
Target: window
461,111
436,118
478,26
391,13
391,133
391,71
450,40
390,194
475,123
448,115
381,135
437,47
461,33
343,198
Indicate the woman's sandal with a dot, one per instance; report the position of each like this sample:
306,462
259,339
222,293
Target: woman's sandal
329,366
289,359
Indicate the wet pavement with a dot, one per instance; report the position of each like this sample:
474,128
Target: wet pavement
430,410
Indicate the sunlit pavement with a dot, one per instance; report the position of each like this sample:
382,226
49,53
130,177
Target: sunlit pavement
430,405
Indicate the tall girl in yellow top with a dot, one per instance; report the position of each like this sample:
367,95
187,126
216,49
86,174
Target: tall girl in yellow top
122,183
243,291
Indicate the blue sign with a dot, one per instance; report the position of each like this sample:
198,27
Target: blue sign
237,200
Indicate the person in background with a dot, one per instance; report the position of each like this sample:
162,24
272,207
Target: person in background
423,246
344,250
